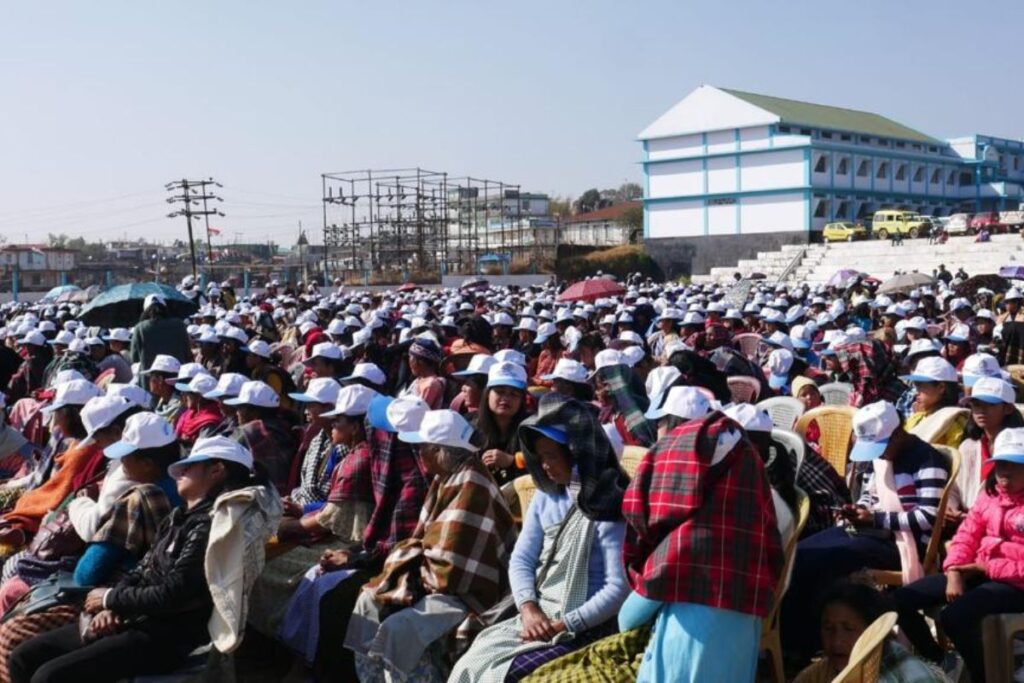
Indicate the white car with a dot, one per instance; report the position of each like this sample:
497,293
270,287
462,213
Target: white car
958,224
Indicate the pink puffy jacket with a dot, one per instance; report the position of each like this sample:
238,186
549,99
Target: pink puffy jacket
993,535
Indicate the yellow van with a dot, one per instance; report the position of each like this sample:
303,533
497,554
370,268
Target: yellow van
910,223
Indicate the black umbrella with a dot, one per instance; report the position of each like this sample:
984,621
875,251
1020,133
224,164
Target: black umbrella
121,306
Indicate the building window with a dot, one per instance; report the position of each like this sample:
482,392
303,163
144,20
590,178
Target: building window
822,165
821,210
805,131
966,178
842,209
883,170
842,166
900,144
845,137
882,142
919,174
917,146
866,139
1016,163
901,172
933,149
783,129
862,169
827,134
951,180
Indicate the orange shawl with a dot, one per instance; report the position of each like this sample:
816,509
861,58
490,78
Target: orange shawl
33,505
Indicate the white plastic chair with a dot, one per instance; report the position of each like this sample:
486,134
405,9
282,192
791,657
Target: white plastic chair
836,393
792,443
784,410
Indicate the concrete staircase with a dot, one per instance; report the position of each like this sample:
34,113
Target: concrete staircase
876,257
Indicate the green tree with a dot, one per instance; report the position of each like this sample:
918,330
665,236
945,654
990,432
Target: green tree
588,201
633,218
629,191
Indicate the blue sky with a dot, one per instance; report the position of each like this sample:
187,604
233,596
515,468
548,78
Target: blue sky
103,102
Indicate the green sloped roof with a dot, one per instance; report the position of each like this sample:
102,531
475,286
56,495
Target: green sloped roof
835,118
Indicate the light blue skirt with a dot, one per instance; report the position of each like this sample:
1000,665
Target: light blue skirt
694,643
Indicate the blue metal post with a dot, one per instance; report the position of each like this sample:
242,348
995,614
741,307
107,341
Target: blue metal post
15,281
245,281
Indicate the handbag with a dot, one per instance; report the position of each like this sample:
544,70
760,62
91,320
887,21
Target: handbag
57,537
59,589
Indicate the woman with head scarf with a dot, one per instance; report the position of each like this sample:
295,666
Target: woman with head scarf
566,571
261,429
424,363
453,564
621,397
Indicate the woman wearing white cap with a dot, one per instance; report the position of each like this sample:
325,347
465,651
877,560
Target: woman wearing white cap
992,410
265,433
150,620
200,412
317,455
262,366
113,533
474,380
550,344
938,389
453,564
502,408
30,375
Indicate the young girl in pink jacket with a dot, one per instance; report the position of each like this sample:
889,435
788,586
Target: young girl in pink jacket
984,568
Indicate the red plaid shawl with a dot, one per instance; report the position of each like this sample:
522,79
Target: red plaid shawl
461,546
685,543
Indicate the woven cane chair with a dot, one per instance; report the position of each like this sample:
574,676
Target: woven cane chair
836,425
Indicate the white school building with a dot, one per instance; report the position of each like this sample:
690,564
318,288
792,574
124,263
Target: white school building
730,173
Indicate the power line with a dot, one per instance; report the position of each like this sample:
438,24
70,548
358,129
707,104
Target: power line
193,200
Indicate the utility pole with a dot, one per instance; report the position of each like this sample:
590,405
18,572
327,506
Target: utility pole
193,195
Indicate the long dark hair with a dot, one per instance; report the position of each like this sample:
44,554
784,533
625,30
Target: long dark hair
1011,421
73,418
487,427
868,603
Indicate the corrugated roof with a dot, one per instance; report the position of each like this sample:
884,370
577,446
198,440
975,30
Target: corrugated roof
608,213
836,118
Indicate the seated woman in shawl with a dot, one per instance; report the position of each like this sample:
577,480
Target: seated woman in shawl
620,395
157,613
261,429
566,571
703,556
474,381
19,457
228,386
502,409
938,387
318,612
200,412
83,465
112,541
452,566
335,525
316,459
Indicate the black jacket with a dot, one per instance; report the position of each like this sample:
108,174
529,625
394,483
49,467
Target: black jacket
167,591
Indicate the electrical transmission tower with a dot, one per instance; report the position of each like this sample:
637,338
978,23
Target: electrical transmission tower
193,197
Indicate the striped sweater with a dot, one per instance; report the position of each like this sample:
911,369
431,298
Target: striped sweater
921,473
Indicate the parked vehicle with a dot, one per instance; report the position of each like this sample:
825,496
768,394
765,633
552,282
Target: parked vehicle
907,223
844,231
987,220
958,224
1014,220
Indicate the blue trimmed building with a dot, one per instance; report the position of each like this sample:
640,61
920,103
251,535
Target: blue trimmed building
730,173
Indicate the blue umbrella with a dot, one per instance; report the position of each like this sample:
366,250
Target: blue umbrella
57,291
121,306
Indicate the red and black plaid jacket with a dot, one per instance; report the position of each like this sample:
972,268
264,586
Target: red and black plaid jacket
688,542
399,489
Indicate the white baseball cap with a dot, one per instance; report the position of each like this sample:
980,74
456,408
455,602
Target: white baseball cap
631,337
255,393
750,417
319,390
529,324
64,376
229,384
442,428
932,369
479,364
923,345
200,384
659,380
74,393
101,411
780,361
506,375
33,338
779,339
63,338
632,355
396,414
132,392
326,350
187,371
258,347
607,358
352,400
236,334
1009,445
142,430
978,365
685,402
993,390
872,426
569,370
119,334
544,332
164,363
368,371
152,299
213,448
510,356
